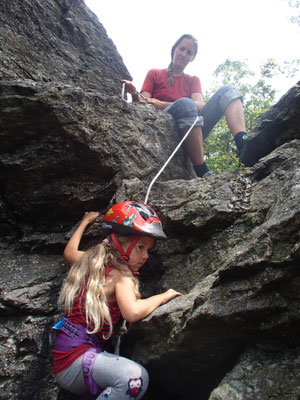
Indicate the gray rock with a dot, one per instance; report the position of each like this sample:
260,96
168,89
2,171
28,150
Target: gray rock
262,374
28,306
58,41
69,143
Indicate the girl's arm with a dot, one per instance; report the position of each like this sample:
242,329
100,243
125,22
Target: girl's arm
133,309
71,252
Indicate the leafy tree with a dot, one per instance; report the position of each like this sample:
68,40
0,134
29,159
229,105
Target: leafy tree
295,4
291,68
258,95
220,149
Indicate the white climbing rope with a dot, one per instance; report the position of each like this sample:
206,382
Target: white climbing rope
123,328
170,158
172,155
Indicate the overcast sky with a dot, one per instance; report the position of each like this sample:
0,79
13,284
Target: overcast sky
246,30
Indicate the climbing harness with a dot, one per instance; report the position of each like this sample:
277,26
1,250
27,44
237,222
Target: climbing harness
76,335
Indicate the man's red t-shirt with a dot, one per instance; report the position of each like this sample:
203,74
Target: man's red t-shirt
156,83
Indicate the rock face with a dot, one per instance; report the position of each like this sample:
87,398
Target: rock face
260,372
58,41
233,250
68,144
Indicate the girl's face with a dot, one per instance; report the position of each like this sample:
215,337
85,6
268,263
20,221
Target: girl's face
140,252
184,53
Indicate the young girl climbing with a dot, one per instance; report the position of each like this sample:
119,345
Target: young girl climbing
180,94
101,286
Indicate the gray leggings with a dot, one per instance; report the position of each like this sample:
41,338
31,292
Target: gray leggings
119,377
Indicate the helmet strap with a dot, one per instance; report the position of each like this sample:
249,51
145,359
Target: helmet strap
124,254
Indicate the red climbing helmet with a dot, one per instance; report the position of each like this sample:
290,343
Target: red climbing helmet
133,218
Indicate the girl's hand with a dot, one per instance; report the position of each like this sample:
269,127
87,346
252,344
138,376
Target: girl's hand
134,309
90,216
72,252
169,295
129,87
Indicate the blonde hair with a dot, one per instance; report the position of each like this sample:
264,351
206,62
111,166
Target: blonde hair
88,273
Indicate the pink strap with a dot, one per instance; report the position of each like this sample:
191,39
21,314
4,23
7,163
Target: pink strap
124,255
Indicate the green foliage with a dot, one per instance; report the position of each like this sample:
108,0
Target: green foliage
291,68
220,149
295,4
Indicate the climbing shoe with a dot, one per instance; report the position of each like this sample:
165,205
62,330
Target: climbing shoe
207,174
242,146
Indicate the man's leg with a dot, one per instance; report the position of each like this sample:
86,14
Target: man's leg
185,112
226,101
234,115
